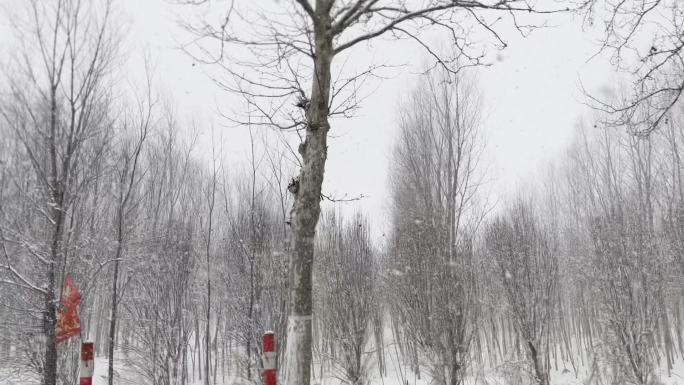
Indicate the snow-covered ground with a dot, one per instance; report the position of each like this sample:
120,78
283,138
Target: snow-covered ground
396,375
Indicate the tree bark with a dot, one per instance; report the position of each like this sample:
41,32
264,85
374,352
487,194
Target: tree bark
49,325
57,196
112,320
542,377
306,207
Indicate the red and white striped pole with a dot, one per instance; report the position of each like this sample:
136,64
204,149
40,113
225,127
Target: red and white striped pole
269,358
87,363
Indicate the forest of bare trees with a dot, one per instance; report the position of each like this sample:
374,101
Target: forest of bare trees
184,259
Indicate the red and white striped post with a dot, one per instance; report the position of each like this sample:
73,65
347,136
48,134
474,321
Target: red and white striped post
269,358
87,363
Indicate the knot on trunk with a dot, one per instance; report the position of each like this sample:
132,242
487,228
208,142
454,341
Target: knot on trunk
303,103
293,186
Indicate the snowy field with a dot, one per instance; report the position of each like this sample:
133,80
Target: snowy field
396,375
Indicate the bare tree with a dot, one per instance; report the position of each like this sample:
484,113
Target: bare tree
165,278
211,203
128,176
163,303
255,267
644,39
280,166
281,61
674,186
57,106
346,301
436,210
528,270
625,265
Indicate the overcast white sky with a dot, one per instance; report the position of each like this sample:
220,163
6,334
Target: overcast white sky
531,101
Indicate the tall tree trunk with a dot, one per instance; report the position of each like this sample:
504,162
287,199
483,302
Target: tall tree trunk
306,207
50,315
49,325
207,331
112,320
57,214
540,372
115,283
250,309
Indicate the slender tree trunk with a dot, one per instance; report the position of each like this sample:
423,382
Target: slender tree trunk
250,310
540,372
215,345
49,325
57,195
196,358
154,342
184,372
306,208
207,332
115,283
112,320
50,316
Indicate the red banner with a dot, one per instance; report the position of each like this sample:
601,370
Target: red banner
68,321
